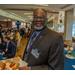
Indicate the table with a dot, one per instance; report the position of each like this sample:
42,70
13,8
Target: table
69,62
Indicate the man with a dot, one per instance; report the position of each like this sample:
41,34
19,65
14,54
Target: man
22,30
26,31
46,52
10,48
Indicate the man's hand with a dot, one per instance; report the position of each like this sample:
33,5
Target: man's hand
24,68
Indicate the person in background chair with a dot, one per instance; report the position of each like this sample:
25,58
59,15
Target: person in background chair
2,46
10,47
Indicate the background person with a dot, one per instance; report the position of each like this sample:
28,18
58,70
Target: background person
10,48
26,32
9,33
2,46
17,39
1,32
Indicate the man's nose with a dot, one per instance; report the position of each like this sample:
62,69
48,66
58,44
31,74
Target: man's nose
38,19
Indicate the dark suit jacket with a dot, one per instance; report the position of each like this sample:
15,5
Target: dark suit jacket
51,46
2,47
11,50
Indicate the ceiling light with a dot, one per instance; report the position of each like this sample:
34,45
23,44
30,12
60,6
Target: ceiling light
28,13
9,19
30,16
5,19
42,4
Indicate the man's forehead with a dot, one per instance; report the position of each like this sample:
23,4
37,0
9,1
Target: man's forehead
39,11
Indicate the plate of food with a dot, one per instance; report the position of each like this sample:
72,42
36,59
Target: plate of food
12,64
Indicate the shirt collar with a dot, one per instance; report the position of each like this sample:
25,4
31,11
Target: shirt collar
8,42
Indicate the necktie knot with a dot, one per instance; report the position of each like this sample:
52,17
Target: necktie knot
33,38
34,35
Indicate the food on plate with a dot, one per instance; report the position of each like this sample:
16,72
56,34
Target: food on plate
69,50
16,59
13,69
8,61
1,64
10,64
15,66
7,66
3,68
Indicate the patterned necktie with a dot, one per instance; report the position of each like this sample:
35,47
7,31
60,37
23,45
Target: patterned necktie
33,38
30,43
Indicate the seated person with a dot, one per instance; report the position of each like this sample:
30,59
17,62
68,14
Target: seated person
2,46
5,31
9,33
1,35
10,48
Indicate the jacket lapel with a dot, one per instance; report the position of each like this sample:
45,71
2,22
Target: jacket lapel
38,39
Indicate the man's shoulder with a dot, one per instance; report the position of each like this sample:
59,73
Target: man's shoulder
53,36
53,33
12,43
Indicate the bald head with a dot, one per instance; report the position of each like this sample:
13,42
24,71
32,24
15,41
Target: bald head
39,9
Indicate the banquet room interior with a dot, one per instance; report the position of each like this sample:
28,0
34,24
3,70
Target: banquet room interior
60,18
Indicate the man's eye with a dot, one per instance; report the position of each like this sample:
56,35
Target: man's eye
35,17
41,17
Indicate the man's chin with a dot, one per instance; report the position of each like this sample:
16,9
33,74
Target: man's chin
38,28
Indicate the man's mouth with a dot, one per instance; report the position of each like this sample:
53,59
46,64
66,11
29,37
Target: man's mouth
38,24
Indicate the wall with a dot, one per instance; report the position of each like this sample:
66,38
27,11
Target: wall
68,25
6,24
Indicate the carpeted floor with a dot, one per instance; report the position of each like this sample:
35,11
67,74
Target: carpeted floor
23,45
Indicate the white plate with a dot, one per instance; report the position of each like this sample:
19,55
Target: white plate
65,48
70,57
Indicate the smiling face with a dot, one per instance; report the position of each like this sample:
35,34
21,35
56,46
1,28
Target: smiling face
39,19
